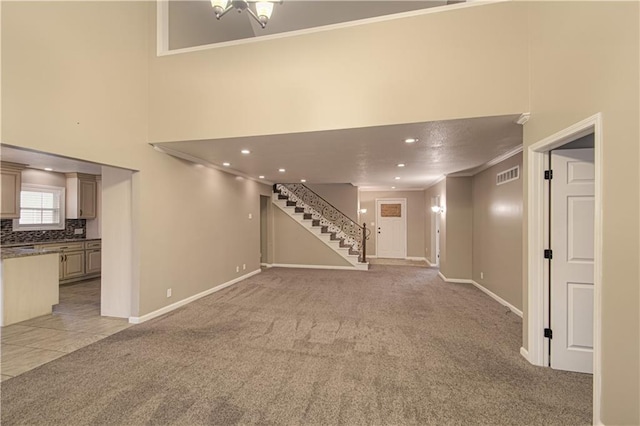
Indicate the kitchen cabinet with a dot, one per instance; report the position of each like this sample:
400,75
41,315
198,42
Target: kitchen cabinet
93,258
73,264
11,177
81,196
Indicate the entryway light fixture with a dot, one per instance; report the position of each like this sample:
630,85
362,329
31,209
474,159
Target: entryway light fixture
437,209
263,12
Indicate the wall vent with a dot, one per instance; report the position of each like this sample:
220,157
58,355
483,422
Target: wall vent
508,175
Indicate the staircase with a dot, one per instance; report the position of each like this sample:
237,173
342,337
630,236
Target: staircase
343,235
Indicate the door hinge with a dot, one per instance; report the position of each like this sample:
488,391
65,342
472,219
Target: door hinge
548,333
548,254
548,174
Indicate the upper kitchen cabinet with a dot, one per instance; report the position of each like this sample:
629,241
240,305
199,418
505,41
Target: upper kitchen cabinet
81,196
11,177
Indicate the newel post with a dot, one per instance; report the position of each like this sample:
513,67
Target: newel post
364,242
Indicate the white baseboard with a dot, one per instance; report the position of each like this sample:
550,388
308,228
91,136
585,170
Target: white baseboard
498,299
296,266
431,265
524,353
372,256
419,259
173,306
454,280
266,265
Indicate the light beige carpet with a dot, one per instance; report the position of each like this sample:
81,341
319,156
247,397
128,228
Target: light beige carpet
395,345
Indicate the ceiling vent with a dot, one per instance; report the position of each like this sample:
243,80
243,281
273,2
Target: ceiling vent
508,175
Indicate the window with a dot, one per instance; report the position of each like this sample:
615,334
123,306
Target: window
41,208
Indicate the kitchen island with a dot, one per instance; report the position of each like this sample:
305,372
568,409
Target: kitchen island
28,283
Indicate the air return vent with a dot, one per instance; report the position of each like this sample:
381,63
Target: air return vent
508,175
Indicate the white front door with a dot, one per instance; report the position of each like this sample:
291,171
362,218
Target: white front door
572,244
391,228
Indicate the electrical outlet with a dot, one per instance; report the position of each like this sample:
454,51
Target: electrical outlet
237,269
250,216
482,275
168,292
244,266
78,231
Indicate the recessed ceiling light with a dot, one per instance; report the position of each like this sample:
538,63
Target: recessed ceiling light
393,187
226,164
281,170
397,178
49,169
245,151
401,165
261,177
411,140
303,180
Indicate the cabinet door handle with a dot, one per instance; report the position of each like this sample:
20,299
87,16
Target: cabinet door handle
80,212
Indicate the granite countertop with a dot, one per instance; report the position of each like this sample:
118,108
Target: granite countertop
11,253
34,243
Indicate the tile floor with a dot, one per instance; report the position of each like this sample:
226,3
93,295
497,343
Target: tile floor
74,323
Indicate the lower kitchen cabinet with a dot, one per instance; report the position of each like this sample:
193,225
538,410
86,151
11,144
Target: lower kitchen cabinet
94,261
78,260
73,265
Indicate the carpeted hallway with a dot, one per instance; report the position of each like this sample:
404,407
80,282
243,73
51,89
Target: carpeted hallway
395,345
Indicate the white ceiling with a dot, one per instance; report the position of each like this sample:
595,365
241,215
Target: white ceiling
39,160
365,157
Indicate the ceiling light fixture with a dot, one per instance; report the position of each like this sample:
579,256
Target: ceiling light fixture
303,180
401,165
393,187
48,169
263,12
226,164
397,178
411,140
245,152
261,177
281,170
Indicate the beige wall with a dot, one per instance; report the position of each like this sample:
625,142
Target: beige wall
339,79
437,190
294,245
342,196
457,222
497,232
415,218
583,60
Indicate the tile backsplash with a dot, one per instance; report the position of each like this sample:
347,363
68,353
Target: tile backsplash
8,236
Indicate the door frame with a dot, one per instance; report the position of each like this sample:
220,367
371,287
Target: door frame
435,234
537,290
403,201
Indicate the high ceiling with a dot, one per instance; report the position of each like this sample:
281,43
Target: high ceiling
366,157
193,23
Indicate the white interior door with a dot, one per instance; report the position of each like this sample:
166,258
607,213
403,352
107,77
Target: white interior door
572,244
391,228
